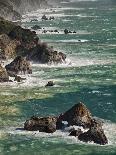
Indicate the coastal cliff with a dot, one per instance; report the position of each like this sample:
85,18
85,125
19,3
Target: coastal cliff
13,9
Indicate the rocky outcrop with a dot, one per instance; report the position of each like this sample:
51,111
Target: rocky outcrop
16,41
3,75
78,115
42,124
7,11
42,53
94,134
50,84
19,65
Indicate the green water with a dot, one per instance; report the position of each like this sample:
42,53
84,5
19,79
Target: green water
88,76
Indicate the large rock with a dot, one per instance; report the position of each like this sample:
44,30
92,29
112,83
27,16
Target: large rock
42,53
95,134
42,124
78,115
3,75
19,64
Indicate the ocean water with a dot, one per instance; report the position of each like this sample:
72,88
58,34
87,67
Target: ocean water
89,76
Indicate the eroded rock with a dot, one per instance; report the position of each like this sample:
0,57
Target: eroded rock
42,124
95,134
19,64
78,115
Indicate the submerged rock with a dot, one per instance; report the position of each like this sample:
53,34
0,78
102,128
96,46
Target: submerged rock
36,27
19,64
95,134
78,115
42,124
3,75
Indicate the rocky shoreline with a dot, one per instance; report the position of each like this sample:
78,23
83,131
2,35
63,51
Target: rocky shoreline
23,45
79,116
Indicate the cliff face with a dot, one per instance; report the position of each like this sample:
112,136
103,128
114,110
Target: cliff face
7,11
12,9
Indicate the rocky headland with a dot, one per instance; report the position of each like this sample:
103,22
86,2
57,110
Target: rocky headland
23,45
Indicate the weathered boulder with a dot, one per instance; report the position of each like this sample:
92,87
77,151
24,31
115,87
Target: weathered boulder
3,75
42,124
76,133
50,84
78,115
95,134
19,64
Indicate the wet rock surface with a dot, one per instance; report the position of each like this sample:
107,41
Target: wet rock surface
50,84
42,124
19,65
78,115
94,134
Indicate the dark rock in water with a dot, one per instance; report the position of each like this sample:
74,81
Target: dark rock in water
36,27
45,31
50,84
66,31
74,31
78,115
19,79
51,18
69,32
19,64
95,134
56,31
3,75
42,124
34,20
44,17
76,133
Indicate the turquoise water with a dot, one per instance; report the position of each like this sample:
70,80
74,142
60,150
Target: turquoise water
89,75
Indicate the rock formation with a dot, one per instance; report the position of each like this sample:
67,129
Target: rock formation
16,41
19,65
3,75
95,134
42,124
78,115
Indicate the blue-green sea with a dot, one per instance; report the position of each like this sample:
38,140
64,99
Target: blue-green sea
89,76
